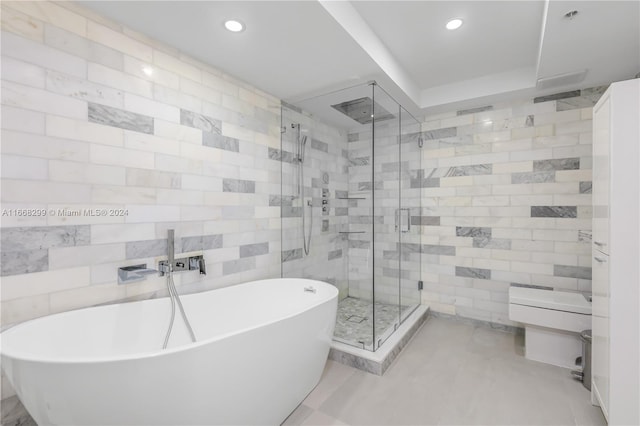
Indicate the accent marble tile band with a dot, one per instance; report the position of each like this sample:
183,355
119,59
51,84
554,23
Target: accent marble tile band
120,118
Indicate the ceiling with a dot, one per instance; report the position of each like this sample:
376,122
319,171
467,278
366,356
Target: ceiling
296,50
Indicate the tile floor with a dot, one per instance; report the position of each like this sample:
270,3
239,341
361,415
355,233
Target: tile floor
354,321
451,373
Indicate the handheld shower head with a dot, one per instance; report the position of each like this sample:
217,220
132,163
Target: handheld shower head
303,144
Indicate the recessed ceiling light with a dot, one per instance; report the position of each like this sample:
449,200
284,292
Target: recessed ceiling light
454,24
147,70
234,26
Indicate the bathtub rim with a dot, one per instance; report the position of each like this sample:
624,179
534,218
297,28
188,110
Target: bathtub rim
159,352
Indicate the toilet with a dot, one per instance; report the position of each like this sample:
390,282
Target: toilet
553,321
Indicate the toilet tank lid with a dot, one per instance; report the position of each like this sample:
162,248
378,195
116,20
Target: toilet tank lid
550,299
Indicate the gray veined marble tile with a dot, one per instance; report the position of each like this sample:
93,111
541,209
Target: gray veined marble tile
199,121
44,237
325,225
319,145
213,241
574,103
594,91
586,187
492,243
142,249
474,110
533,177
115,117
286,211
395,273
24,262
474,232
554,211
396,255
342,194
238,185
359,161
353,137
289,255
425,220
473,170
425,183
394,167
366,186
484,274
284,156
341,211
581,272
556,96
222,142
239,265
439,133
334,254
14,413
439,249
257,249
557,164
201,242
359,244
277,200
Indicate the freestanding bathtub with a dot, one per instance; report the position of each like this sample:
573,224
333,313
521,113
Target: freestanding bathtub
261,349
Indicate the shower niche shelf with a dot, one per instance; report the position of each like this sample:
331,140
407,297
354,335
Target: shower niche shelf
352,232
351,198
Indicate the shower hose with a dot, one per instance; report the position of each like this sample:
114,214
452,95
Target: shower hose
175,298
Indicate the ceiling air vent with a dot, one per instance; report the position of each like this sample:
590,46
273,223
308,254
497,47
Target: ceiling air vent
561,79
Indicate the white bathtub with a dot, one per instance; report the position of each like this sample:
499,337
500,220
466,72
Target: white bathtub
261,349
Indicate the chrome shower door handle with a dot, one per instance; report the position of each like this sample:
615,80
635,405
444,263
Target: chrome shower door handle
403,221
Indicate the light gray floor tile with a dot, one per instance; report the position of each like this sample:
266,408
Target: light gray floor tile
320,419
334,375
454,373
298,416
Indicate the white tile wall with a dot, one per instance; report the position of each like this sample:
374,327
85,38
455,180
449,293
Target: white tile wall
522,139
56,59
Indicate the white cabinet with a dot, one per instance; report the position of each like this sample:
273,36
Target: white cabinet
616,253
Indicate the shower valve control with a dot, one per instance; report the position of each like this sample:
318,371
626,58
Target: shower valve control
325,201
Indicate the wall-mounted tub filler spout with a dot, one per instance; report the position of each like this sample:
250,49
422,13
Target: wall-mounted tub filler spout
133,273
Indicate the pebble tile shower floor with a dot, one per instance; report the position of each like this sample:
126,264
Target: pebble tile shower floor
354,320
451,373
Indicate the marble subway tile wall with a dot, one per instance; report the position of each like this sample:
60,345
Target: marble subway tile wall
109,139
325,164
507,190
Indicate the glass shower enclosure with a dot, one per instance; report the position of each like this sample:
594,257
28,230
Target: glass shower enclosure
351,179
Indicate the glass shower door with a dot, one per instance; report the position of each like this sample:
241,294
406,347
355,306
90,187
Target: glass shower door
410,199
388,214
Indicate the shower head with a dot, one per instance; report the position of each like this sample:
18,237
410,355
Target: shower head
303,144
